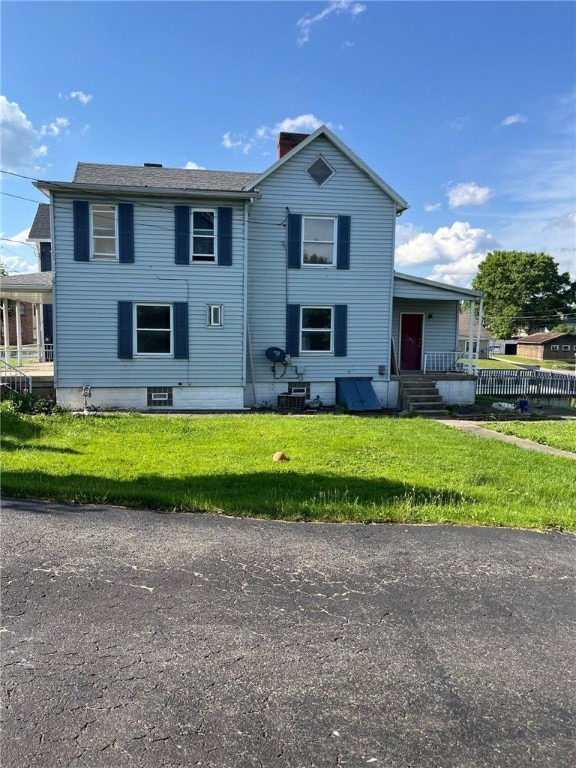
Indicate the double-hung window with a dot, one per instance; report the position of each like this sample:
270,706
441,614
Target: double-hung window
316,329
153,329
104,227
203,227
318,240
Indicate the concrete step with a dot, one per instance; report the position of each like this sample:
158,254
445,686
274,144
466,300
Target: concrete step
427,406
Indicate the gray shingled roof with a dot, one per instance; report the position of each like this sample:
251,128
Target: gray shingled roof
464,328
168,178
40,229
543,338
27,280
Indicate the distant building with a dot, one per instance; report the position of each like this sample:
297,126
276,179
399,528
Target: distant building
464,336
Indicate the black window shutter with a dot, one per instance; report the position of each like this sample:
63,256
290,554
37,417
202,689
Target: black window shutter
81,230
294,240
126,232
343,243
180,313
293,329
225,237
340,330
125,330
182,234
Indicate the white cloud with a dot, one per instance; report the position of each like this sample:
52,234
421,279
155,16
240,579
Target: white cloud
56,127
83,98
16,255
19,148
306,22
460,272
431,207
514,120
458,123
446,245
244,142
191,166
468,193
567,221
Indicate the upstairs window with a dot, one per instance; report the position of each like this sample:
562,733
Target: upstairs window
318,240
203,236
104,231
153,329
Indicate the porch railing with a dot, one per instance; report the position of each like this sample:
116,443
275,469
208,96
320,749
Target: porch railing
523,382
442,361
32,354
13,379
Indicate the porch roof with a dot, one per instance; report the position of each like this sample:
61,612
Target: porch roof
410,287
33,288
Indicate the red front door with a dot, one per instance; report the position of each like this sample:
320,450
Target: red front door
411,342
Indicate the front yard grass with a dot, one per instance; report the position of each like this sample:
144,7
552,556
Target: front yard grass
557,434
341,468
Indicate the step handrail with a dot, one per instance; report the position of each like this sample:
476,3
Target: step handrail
14,379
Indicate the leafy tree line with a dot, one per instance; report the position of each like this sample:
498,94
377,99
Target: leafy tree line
523,292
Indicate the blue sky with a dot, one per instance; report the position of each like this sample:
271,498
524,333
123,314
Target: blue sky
466,109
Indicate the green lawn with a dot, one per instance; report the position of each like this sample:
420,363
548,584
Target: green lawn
499,364
341,468
559,365
558,434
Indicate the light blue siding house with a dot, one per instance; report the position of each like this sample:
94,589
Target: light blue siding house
191,289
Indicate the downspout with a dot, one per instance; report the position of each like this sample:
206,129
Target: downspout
245,296
54,296
480,318
471,334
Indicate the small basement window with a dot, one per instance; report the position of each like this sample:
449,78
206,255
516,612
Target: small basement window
159,397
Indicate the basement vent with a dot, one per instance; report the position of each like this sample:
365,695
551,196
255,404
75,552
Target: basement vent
160,397
301,388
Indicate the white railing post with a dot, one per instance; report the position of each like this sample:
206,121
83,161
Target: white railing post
471,334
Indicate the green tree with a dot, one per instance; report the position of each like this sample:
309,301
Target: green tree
522,291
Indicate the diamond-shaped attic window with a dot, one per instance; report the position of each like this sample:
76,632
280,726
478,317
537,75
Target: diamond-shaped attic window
320,171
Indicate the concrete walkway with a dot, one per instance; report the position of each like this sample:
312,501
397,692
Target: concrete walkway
475,429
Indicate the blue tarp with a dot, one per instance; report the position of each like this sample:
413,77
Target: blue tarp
357,395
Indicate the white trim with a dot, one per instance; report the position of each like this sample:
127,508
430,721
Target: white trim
110,256
154,355
400,341
310,352
332,263
210,315
320,156
204,258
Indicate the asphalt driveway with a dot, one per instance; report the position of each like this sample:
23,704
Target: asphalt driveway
137,638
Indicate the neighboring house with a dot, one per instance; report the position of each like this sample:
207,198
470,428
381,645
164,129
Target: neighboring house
548,346
27,325
464,337
201,289
41,235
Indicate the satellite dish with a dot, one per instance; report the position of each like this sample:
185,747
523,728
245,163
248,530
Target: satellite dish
276,355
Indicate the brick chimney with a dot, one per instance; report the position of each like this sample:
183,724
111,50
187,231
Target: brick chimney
287,141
